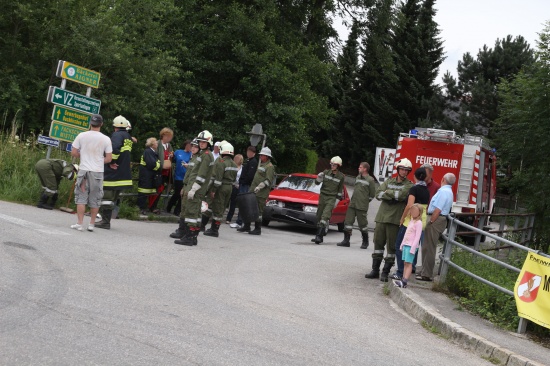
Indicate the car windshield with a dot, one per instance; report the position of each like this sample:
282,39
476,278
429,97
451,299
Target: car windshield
300,184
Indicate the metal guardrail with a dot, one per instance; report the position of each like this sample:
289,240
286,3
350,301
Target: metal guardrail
450,241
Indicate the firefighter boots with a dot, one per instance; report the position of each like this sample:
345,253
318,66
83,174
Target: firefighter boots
204,222
214,228
345,242
43,202
180,231
54,200
386,271
190,237
319,235
365,243
244,228
376,262
105,222
257,228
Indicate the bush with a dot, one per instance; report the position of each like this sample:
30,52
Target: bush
297,161
484,300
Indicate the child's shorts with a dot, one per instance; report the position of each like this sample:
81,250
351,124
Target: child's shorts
407,256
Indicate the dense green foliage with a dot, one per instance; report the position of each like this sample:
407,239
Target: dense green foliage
298,161
523,128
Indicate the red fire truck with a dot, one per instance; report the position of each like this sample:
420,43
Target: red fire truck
469,158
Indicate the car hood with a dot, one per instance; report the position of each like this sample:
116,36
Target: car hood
291,195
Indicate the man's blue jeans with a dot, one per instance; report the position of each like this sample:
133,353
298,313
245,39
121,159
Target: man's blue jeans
243,188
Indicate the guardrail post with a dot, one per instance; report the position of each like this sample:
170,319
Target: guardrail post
522,326
477,238
447,250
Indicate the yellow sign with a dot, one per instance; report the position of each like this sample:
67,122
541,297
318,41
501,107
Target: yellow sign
532,290
79,74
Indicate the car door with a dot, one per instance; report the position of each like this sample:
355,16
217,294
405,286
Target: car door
339,212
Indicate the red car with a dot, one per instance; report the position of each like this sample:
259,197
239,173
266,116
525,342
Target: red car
295,201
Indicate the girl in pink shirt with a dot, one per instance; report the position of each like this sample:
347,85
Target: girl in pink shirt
410,243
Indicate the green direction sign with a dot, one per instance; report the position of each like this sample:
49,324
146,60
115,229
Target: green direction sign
72,100
71,117
64,132
79,74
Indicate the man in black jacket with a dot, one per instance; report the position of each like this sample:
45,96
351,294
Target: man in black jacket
247,175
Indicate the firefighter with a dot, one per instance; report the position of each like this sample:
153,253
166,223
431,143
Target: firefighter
364,191
199,179
261,186
331,190
182,227
224,175
50,172
393,193
118,173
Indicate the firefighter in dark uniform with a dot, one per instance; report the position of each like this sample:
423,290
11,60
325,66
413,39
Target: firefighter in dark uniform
363,192
331,190
117,175
261,186
393,193
198,179
149,168
224,175
182,226
50,172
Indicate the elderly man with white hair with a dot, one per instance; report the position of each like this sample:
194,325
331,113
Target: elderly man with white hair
440,206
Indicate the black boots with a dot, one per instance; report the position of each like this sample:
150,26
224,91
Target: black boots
190,237
105,222
180,231
54,200
213,231
319,235
257,228
376,262
244,228
365,243
386,271
43,202
204,222
345,242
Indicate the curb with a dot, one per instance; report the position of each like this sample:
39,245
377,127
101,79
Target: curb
424,313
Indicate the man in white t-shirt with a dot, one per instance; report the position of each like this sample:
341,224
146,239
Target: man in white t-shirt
216,152
94,150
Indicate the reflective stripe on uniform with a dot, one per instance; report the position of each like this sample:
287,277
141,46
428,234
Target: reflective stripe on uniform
192,221
117,183
261,169
390,256
333,179
46,189
349,227
217,183
322,222
115,156
267,183
199,158
230,168
380,251
380,195
216,218
200,179
363,182
147,190
396,194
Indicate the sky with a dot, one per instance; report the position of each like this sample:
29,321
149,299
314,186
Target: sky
467,25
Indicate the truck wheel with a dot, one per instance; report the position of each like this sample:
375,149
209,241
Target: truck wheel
341,227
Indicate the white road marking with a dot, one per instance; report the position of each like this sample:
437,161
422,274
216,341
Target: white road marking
32,225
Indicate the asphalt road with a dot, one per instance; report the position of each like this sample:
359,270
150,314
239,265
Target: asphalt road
129,296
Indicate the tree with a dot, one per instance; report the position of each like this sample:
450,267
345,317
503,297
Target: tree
522,135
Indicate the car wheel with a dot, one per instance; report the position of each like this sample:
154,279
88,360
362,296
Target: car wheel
341,227
265,222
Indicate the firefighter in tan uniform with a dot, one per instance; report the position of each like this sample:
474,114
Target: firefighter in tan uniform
182,227
199,179
393,193
363,192
225,173
331,190
261,186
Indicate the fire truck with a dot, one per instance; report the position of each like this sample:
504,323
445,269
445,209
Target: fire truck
468,157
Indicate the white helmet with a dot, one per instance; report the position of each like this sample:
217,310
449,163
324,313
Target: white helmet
266,151
120,122
205,136
404,164
195,142
226,148
129,126
336,160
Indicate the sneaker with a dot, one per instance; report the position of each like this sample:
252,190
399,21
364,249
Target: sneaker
395,276
399,283
90,227
235,226
77,227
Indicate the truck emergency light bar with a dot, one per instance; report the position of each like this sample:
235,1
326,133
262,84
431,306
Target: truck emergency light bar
435,134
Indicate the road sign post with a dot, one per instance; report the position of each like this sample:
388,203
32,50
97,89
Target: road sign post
72,100
78,74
